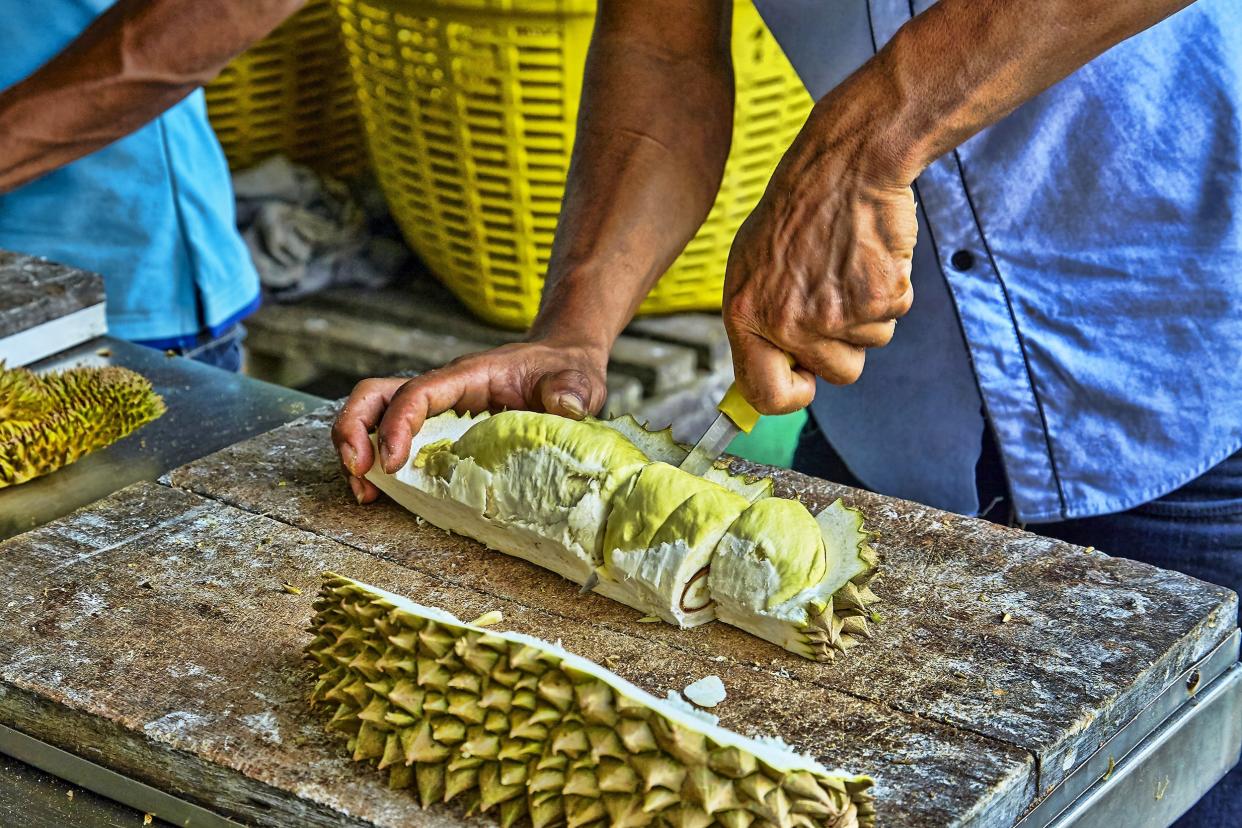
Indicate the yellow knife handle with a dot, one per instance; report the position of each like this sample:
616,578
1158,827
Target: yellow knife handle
735,406
742,413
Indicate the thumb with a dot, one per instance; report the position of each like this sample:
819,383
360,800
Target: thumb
567,393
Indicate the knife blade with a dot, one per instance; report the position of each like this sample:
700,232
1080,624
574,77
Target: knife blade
736,416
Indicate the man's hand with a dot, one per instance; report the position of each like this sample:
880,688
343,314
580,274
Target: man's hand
536,376
822,267
820,271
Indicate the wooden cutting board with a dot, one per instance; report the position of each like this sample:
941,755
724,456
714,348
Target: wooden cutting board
150,633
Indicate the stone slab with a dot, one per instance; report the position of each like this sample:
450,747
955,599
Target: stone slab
1039,644
151,633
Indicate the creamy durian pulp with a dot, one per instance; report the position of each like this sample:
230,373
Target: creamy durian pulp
605,497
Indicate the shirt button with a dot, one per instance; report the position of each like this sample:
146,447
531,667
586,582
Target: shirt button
962,260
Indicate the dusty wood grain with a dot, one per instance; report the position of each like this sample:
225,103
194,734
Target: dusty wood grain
151,634
1090,639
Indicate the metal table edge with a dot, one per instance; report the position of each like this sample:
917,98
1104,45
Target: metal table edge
1100,767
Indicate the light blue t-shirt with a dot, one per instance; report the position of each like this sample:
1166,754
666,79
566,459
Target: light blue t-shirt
1078,277
152,213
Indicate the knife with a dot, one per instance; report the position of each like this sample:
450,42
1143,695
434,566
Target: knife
736,416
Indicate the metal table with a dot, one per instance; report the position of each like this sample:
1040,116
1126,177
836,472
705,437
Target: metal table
207,410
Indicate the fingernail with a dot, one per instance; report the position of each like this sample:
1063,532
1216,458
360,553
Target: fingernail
350,458
573,404
356,485
383,451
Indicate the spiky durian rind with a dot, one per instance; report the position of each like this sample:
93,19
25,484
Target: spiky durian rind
518,727
49,421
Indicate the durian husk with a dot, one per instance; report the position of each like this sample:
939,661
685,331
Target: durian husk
521,729
49,421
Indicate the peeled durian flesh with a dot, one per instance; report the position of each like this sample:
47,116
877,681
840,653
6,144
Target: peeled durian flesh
603,498
519,728
50,421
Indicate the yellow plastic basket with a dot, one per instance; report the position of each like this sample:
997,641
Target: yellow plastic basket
470,109
291,93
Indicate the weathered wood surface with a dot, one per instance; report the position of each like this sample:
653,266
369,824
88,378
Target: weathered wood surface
1028,641
34,290
151,634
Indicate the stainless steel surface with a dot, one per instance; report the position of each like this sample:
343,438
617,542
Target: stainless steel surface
108,783
34,799
1172,768
1182,692
208,409
711,445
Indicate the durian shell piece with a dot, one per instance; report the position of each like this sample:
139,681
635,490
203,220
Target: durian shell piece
47,422
519,728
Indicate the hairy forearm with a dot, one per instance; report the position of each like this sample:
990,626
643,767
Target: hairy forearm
132,63
963,65
652,139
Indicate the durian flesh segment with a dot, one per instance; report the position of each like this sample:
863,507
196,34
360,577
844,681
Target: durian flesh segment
520,728
453,494
50,421
813,606
659,541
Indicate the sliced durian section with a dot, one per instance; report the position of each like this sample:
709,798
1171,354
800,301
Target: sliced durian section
798,581
519,728
582,497
50,421
659,540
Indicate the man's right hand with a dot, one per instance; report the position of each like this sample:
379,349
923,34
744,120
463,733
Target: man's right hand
535,376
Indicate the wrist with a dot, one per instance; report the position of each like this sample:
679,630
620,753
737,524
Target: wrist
874,122
579,311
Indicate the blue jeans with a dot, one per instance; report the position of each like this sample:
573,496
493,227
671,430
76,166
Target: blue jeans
1196,529
225,351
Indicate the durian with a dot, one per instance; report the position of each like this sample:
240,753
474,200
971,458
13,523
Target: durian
601,501
50,421
519,728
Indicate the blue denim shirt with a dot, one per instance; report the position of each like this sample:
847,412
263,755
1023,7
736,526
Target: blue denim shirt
152,213
1078,277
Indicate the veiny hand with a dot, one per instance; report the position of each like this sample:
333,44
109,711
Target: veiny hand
536,376
821,271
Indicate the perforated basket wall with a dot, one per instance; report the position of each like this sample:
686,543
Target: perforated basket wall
470,108
291,93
